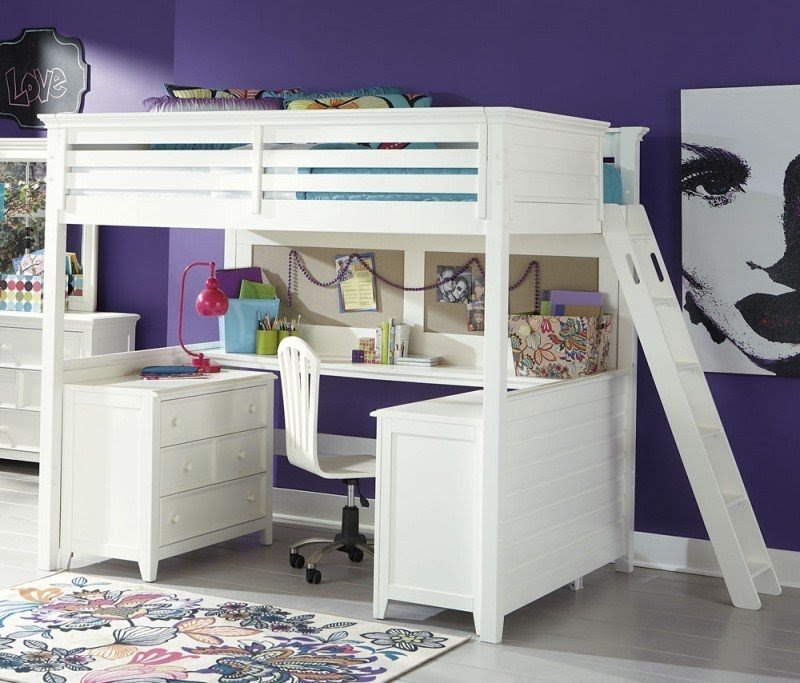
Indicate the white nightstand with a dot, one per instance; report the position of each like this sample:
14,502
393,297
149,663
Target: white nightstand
154,468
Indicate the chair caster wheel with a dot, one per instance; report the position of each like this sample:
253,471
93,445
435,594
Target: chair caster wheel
313,575
296,560
356,555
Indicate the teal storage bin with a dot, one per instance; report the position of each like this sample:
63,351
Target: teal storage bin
237,328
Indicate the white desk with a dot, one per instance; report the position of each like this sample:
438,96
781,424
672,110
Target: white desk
157,468
561,495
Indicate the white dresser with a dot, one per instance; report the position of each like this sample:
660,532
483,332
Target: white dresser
154,468
85,334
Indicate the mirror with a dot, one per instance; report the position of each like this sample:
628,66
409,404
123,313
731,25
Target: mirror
23,170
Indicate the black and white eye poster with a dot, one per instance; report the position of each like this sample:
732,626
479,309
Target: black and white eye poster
740,187
41,72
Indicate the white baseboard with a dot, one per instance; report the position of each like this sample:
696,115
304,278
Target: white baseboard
696,556
657,551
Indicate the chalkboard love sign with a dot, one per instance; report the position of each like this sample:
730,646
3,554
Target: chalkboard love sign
41,72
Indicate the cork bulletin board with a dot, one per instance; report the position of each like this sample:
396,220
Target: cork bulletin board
557,272
320,306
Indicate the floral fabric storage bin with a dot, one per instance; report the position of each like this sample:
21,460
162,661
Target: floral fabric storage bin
559,347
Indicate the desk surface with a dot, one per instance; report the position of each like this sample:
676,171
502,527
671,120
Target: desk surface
461,409
456,375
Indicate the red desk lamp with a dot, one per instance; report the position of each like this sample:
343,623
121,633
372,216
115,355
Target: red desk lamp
210,302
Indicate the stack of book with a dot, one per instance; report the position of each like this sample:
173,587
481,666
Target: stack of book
421,361
391,342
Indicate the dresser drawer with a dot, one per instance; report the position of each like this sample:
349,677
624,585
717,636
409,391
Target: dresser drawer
19,429
8,387
201,417
241,455
188,466
186,515
23,345
20,346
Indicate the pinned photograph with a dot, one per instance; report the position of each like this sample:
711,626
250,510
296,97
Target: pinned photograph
475,318
478,290
452,288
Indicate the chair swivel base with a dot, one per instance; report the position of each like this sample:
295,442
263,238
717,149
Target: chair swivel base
349,541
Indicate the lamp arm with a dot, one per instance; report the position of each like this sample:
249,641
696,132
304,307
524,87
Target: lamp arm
213,267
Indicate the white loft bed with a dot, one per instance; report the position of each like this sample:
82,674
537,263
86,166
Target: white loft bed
537,190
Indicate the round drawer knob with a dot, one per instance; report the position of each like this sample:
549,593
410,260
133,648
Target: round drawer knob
240,455
252,408
176,422
251,498
175,518
3,429
187,467
5,347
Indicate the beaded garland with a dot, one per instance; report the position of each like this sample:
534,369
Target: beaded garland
296,263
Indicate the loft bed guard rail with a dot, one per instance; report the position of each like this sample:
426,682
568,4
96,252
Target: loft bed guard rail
431,169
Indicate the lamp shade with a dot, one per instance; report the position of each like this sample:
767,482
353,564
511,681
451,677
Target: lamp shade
212,300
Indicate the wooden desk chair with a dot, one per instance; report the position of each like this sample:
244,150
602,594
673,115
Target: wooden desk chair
299,368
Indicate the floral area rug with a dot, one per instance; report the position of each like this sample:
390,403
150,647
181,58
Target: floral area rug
90,630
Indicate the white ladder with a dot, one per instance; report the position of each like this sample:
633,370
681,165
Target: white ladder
689,406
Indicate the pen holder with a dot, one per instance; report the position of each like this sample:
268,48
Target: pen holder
282,334
267,342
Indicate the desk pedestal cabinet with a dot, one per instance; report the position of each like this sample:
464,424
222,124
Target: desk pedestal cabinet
85,334
157,468
562,497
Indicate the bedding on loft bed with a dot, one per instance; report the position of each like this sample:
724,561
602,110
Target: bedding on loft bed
184,98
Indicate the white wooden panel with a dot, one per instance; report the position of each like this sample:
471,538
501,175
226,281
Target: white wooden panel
554,218
185,515
574,561
187,466
196,211
553,139
200,417
548,160
185,180
527,549
420,462
558,396
374,133
159,158
561,512
168,136
558,482
241,455
550,187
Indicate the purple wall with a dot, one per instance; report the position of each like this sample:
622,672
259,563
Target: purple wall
623,61
129,55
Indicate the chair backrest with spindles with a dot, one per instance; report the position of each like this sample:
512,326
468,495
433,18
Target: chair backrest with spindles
299,368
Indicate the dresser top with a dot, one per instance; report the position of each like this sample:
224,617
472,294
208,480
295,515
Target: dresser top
463,409
72,320
225,380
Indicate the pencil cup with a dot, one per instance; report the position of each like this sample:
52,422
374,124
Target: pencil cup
267,342
282,334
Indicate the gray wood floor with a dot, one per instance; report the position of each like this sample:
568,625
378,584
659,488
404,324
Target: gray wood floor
645,626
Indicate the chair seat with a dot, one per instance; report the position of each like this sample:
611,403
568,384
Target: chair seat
346,466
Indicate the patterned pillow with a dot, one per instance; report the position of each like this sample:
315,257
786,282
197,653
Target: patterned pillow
196,92
359,92
387,101
166,103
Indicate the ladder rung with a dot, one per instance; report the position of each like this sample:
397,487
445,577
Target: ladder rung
664,300
708,432
733,500
757,570
688,366
641,238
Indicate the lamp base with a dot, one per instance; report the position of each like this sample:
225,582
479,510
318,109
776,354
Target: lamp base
205,365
